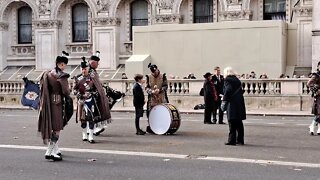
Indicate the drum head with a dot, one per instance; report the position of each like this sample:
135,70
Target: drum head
159,119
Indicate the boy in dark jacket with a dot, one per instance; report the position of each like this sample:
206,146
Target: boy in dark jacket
138,101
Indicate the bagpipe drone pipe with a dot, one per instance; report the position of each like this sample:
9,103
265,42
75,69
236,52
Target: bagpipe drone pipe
113,96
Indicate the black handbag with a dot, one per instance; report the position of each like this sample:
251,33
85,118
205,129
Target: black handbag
201,93
68,109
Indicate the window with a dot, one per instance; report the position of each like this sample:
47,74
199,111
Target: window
274,10
203,11
24,25
80,23
139,14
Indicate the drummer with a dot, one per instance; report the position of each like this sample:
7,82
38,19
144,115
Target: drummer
156,88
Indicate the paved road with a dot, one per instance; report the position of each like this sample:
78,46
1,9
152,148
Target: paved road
276,148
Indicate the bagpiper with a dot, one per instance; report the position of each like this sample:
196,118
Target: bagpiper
87,109
53,112
314,85
102,100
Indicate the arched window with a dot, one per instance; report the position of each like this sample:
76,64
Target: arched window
24,25
80,23
203,11
139,14
274,10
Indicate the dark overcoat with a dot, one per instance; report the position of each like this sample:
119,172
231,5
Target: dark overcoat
218,82
233,94
138,96
209,90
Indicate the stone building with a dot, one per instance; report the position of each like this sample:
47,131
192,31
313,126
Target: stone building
33,32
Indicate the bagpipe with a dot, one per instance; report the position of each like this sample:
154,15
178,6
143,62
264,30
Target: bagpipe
113,96
31,94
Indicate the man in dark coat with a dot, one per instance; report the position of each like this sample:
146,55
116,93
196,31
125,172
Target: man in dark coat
54,87
218,81
210,98
138,101
314,85
236,111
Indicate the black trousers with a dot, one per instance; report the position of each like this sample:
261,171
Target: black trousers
236,131
139,113
218,106
208,111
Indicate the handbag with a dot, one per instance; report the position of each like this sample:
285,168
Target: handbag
201,93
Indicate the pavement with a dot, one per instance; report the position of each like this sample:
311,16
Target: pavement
191,111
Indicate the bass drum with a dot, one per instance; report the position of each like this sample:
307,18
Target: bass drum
164,119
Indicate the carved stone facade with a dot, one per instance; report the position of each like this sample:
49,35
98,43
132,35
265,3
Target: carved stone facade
111,19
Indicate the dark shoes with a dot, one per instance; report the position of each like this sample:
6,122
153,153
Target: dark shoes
149,130
230,144
240,143
222,123
140,132
208,123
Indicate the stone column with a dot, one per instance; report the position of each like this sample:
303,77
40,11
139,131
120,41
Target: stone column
46,43
315,34
3,45
105,38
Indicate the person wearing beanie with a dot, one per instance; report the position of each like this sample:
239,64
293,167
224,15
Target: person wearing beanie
52,117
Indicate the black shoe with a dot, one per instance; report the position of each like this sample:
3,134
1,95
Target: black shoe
222,123
149,130
91,141
311,133
140,132
214,121
240,143
54,157
208,123
231,144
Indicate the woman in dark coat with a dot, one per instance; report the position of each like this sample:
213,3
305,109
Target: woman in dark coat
233,102
210,98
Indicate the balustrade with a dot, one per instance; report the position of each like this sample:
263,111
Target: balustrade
192,87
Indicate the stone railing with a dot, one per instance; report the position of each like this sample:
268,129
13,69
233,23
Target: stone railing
252,87
80,48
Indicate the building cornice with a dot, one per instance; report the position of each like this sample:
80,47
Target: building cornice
235,15
304,11
105,21
168,18
47,24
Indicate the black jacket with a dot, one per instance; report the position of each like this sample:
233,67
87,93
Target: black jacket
233,94
209,89
138,96
218,83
